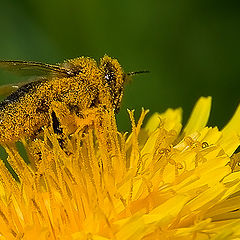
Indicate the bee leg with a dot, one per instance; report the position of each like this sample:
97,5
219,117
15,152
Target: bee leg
73,109
36,134
34,152
87,117
56,124
58,130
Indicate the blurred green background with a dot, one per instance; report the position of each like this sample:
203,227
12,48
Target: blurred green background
191,47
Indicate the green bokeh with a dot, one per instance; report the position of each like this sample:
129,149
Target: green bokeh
191,47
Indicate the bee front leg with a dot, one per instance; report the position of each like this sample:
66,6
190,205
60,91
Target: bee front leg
87,118
101,121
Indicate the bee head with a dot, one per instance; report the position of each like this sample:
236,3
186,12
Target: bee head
114,79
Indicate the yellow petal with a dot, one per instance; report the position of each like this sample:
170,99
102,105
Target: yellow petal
231,134
171,120
233,125
229,142
199,116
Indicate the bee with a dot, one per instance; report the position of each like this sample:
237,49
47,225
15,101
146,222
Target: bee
80,84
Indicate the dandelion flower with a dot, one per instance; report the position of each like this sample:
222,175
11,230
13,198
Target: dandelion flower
158,182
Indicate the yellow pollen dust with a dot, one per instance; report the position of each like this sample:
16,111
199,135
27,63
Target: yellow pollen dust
157,182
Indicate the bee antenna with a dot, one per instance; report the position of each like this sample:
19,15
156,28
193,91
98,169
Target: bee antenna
137,72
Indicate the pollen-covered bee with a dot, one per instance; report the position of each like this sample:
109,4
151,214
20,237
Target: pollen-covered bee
80,83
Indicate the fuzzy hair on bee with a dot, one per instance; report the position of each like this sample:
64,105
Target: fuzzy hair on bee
80,84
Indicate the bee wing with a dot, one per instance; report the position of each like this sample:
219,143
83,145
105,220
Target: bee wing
35,68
